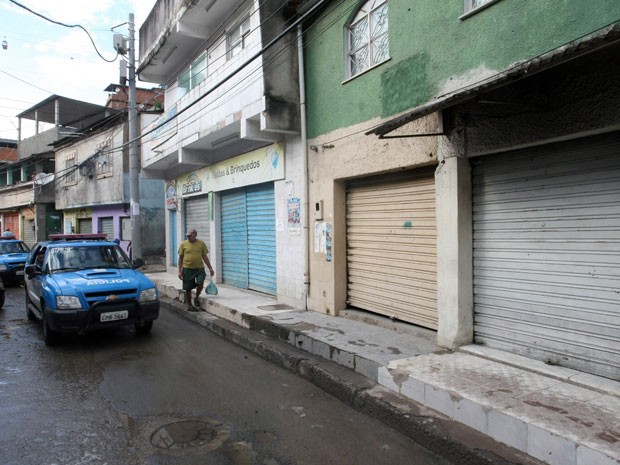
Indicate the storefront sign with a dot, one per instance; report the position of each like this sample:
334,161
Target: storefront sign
258,166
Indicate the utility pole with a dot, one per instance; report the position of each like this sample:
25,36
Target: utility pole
134,158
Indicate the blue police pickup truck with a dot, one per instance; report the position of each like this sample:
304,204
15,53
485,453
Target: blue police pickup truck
81,282
13,255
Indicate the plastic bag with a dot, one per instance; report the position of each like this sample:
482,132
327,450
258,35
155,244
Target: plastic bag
211,288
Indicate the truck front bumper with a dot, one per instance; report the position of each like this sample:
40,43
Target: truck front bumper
101,315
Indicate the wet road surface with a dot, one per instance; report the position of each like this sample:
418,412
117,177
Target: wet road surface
180,395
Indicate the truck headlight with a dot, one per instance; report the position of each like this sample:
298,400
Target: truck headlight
148,295
3,267
64,302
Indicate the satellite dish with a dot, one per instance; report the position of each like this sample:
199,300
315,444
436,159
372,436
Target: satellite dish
43,178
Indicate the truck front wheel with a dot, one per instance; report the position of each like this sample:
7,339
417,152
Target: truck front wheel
144,328
50,336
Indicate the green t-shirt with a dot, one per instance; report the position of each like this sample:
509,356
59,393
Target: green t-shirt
193,253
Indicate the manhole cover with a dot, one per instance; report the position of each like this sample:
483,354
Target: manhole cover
183,434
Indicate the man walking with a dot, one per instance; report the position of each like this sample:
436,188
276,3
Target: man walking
192,253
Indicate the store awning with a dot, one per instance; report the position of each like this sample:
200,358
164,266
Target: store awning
575,49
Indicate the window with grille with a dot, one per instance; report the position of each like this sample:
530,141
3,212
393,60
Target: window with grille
70,173
104,165
367,37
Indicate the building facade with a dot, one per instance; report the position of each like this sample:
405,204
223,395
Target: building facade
463,171
230,143
92,187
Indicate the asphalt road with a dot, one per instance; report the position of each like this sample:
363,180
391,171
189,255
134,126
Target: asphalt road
181,395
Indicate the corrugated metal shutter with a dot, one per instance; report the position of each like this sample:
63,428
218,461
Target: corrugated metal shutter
234,239
391,248
85,225
29,232
197,217
106,226
261,239
547,253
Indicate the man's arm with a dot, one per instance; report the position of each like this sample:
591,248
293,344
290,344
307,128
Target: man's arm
208,263
180,265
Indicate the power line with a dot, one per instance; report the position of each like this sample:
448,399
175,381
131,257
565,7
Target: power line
25,82
66,25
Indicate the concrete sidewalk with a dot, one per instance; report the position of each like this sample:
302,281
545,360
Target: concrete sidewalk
553,414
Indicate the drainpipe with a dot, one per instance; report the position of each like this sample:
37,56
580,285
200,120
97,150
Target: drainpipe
304,148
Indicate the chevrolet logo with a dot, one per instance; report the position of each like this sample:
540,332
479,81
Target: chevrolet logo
111,297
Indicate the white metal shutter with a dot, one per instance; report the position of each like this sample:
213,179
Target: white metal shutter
106,226
391,248
29,232
197,217
547,253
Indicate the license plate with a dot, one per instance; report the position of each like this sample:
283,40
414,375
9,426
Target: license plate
19,273
114,316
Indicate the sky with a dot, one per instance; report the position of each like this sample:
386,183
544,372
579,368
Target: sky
44,59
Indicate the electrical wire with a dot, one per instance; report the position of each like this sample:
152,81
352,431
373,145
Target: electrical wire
25,82
68,26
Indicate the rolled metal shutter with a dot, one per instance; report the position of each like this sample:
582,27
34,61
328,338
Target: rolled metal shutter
261,216
197,217
391,248
547,253
234,239
29,232
106,226
85,225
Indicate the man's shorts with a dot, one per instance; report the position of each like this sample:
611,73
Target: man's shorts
193,277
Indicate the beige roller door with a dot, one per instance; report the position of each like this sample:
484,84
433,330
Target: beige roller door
391,248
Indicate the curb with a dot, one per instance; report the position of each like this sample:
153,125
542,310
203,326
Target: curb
438,433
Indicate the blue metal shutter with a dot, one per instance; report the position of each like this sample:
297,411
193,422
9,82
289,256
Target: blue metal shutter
234,239
261,238
174,243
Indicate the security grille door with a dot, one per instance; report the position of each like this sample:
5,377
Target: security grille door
261,239
197,217
391,248
547,253
234,239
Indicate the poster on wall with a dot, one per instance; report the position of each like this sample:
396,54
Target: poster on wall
294,215
323,239
171,195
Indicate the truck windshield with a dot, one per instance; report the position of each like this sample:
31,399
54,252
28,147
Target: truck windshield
86,257
13,247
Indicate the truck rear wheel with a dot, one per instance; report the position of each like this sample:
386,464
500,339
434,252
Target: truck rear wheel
29,313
